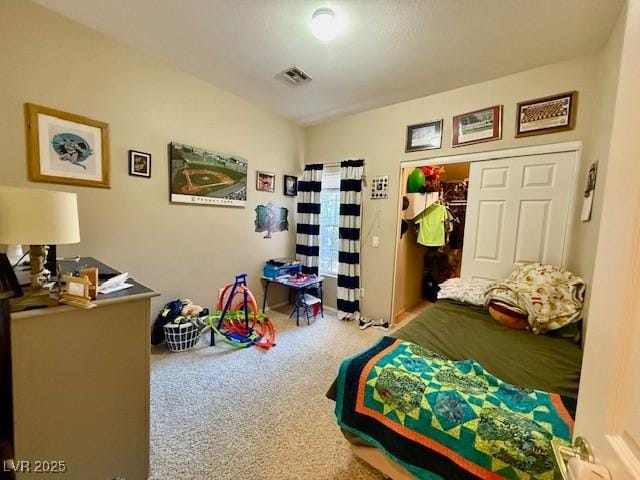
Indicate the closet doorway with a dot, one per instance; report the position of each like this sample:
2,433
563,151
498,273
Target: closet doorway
504,207
429,250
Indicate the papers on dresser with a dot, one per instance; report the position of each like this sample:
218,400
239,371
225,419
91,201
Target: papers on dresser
115,284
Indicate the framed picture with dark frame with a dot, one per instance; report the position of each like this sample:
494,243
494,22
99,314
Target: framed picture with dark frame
483,125
265,181
424,136
555,113
139,164
290,185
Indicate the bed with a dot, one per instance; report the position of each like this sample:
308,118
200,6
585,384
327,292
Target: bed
548,363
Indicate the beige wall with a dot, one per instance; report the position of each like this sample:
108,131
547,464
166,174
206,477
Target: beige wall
179,250
608,406
192,250
330,292
378,136
585,235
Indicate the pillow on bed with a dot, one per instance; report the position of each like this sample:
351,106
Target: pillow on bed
508,316
464,290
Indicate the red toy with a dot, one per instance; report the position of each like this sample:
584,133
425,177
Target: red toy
242,324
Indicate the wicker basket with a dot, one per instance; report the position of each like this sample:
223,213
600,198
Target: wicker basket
181,337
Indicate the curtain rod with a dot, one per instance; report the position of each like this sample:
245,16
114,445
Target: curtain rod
337,164
364,164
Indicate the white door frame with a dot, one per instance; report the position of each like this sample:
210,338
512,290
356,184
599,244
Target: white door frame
479,157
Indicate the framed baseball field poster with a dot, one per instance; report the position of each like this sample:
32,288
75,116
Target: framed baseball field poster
200,176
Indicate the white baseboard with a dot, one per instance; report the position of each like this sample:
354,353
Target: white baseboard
401,312
276,305
326,308
331,310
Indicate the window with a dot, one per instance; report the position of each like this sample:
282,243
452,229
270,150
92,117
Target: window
329,221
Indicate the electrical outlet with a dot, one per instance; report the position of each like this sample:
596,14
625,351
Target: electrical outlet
375,241
362,293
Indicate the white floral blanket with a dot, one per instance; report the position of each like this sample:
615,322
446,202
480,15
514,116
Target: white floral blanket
551,297
464,290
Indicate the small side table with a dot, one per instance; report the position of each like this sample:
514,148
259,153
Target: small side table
301,289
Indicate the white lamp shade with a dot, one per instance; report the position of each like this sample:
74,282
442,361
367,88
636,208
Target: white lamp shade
30,216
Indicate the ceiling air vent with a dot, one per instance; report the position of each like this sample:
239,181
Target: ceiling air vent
294,76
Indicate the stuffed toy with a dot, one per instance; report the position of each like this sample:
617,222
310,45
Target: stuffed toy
189,309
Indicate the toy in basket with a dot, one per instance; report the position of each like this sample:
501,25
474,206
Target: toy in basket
182,323
241,324
181,336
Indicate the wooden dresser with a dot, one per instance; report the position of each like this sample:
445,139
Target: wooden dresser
80,381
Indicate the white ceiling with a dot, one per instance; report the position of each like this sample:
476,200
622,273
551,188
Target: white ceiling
391,50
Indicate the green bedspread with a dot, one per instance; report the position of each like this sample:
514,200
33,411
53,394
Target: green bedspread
460,332
446,419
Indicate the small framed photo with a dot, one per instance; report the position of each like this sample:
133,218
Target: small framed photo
265,181
290,185
424,136
475,127
546,115
380,187
139,164
66,148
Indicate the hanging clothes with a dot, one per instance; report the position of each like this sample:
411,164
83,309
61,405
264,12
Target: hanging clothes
456,238
431,225
449,225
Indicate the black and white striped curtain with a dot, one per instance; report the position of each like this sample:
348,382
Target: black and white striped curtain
349,233
308,221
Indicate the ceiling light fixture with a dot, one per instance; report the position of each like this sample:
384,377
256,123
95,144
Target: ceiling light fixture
325,25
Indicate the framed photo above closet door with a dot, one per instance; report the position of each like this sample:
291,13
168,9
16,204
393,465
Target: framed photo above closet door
479,126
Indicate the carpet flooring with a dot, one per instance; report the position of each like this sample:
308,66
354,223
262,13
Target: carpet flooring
221,413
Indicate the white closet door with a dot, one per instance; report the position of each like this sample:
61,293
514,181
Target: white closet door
517,211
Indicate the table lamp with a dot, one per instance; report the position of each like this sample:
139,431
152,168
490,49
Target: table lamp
37,218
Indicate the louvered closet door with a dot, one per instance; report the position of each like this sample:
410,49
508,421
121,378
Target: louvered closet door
517,211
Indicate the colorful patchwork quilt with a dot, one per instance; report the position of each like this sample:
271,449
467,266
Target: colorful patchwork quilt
444,419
